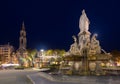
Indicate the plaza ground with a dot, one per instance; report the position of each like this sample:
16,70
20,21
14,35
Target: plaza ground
30,76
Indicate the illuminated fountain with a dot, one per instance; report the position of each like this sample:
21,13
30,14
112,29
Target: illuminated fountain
85,56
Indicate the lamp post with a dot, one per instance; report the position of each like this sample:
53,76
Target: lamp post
41,57
42,51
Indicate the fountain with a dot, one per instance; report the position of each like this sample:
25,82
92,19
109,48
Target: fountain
85,54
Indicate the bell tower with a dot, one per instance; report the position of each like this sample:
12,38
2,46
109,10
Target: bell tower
22,52
22,39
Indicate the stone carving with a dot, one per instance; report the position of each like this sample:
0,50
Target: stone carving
84,35
87,50
84,40
84,22
75,39
95,45
74,47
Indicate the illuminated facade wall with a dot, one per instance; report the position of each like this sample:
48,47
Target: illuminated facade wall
5,53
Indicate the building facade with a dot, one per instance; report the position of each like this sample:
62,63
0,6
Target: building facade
6,53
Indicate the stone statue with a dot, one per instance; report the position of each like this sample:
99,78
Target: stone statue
84,22
95,45
75,39
88,49
74,47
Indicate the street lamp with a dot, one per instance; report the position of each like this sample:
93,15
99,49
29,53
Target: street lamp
41,57
42,50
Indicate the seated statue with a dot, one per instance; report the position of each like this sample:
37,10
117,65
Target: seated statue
74,47
95,44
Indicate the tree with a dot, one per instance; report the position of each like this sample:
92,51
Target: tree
62,53
49,52
115,55
31,56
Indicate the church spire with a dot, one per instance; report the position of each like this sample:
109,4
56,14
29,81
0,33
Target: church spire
23,26
22,39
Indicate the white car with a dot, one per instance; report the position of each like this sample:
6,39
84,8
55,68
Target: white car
9,65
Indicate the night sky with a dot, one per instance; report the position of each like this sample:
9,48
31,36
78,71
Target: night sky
50,24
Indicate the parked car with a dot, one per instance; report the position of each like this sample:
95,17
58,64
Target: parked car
9,66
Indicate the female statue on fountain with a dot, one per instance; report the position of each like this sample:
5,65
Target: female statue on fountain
84,23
